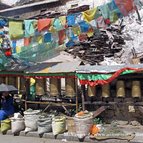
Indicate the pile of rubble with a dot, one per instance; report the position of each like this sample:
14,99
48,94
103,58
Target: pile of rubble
103,44
118,44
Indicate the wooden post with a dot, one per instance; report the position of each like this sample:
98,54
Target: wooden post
27,92
83,96
76,86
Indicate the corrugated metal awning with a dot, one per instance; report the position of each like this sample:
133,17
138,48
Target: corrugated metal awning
105,69
55,67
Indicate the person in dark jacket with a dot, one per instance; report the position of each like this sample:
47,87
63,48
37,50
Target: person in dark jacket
7,106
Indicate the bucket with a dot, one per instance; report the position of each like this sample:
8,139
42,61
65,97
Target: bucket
31,118
44,124
70,125
58,125
83,125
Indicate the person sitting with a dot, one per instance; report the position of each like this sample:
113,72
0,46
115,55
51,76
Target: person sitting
7,106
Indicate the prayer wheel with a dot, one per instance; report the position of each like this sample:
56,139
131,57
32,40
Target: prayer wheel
106,91
55,87
13,81
22,86
2,80
40,86
70,87
91,91
120,87
136,89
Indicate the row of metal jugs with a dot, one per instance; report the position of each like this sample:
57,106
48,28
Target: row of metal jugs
120,90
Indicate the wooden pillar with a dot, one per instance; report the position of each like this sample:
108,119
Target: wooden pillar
83,96
22,85
76,86
6,80
27,92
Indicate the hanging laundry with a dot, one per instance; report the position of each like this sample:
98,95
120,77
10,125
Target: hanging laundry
125,6
44,24
76,30
63,20
57,24
47,37
30,27
62,36
105,11
84,26
27,41
89,15
16,29
100,22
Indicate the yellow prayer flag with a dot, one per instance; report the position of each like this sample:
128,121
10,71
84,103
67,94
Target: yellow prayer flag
89,15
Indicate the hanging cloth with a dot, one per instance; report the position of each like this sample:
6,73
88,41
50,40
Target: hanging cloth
125,6
44,24
19,45
47,37
90,32
57,24
27,41
30,27
62,36
100,22
76,30
73,19
114,9
14,46
104,11
2,23
63,20
84,26
16,29
89,15
39,39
